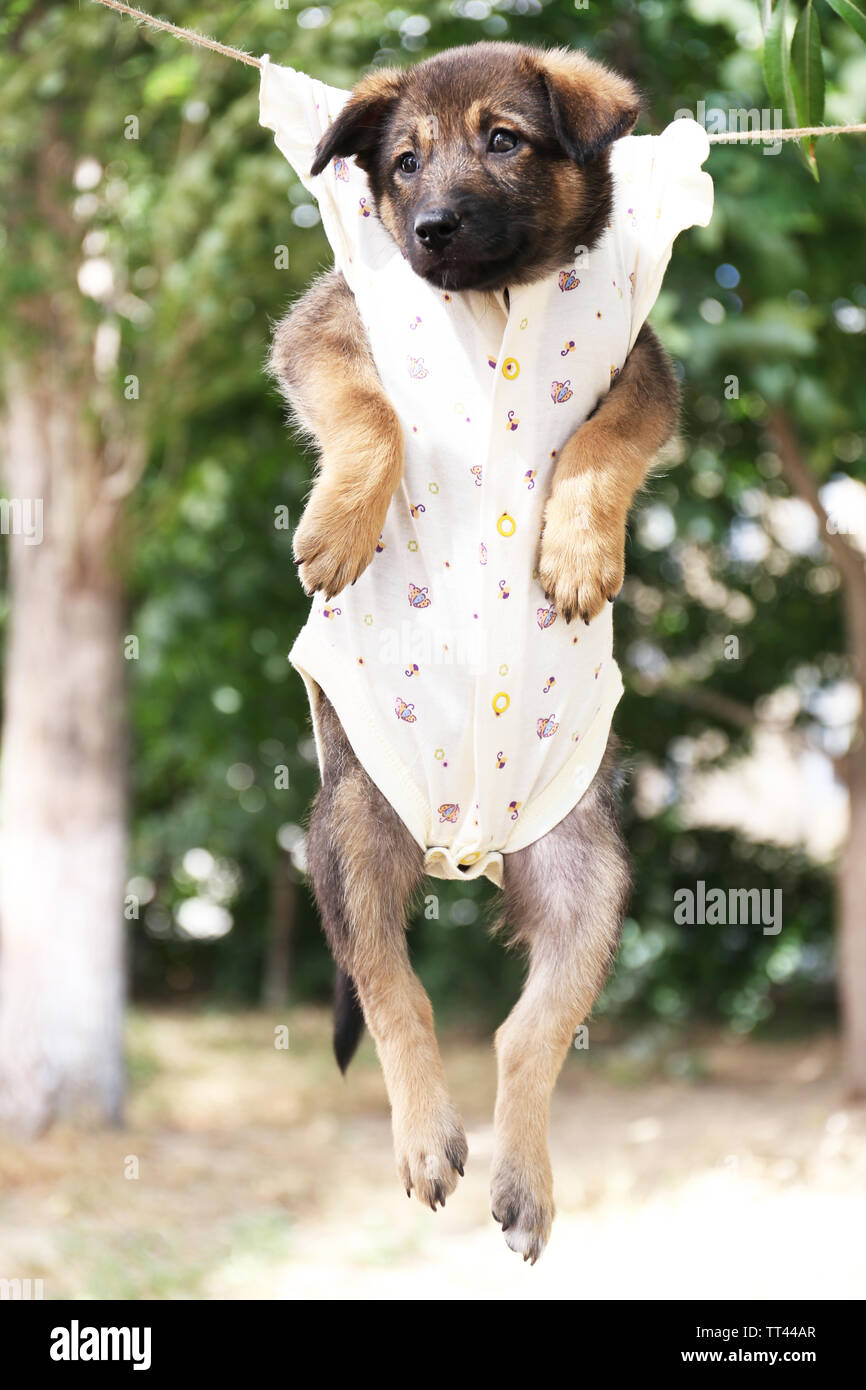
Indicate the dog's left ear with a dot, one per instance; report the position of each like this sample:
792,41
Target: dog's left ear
359,125
590,105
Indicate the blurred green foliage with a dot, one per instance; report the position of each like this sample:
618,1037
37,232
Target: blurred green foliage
190,216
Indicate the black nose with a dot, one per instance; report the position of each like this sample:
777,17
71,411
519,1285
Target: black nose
436,227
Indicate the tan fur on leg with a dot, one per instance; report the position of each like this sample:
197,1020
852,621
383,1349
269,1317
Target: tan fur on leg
322,359
429,1141
365,867
582,552
531,1046
565,898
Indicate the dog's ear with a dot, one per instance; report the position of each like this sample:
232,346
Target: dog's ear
590,105
358,126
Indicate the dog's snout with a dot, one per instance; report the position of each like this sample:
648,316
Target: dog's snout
435,227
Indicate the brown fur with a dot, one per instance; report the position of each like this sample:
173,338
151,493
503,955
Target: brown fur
355,426
524,212
582,554
365,867
565,896
520,214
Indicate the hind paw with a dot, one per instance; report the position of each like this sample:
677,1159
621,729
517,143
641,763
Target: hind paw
521,1200
431,1153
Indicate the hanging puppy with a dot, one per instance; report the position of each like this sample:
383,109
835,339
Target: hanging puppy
486,397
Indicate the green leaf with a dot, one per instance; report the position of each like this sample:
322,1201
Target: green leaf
810,159
776,63
807,69
780,78
807,81
853,12
766,10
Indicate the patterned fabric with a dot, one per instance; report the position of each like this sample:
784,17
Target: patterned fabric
477,711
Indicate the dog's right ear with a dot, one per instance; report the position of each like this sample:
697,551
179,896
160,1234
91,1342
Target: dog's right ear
357,128
591,105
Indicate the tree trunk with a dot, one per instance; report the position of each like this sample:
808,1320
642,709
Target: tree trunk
852,946
63,777
852,872
851,878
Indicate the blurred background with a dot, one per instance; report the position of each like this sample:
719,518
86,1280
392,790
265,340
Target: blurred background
161,963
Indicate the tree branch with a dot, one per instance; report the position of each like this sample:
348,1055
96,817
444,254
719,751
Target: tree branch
803,482
724,707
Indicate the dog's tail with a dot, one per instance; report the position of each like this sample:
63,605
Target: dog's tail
348,1019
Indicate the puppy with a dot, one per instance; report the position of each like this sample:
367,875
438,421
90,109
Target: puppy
487,166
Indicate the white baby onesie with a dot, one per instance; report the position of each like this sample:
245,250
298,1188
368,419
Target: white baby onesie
479,713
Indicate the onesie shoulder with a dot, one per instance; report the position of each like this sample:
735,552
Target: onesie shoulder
660,189
299,109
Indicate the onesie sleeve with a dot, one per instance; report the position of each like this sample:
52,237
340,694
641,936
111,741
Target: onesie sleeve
661,190
299,109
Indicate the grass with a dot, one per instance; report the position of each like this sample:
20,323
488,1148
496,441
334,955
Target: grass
696,1166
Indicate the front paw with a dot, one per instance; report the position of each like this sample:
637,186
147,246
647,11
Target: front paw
521,1200
582,556
336,539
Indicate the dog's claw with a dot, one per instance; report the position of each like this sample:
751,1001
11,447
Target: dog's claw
431,1163
526,1217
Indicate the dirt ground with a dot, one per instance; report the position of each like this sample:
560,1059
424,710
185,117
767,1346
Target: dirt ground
703,1167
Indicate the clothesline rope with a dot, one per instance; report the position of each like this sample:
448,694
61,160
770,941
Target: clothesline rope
800,132
189,34
717,138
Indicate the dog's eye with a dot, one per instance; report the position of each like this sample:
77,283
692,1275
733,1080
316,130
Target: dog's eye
501,141
408,163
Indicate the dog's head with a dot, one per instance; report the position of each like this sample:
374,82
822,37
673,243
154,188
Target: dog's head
488,164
